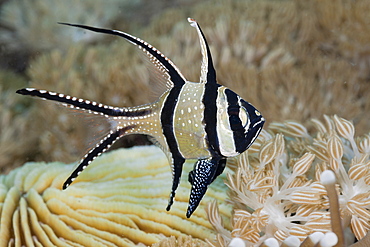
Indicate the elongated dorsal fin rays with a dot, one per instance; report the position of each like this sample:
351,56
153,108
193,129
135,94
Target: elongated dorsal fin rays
207,73
165,65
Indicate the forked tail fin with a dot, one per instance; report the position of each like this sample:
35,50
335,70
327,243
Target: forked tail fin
110,112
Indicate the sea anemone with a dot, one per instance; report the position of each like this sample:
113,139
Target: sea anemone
279,189
118,201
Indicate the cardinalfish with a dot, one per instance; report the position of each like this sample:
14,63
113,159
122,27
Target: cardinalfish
204,121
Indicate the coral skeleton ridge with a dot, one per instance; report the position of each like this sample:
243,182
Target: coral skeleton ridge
119,201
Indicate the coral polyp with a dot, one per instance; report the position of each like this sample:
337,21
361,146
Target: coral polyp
278,190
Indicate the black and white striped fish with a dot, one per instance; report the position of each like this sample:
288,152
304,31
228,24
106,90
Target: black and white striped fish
203,121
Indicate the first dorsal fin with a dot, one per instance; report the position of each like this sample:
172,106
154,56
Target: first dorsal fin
208,72
164,65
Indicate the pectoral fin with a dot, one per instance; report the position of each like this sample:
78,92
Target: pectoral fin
205,171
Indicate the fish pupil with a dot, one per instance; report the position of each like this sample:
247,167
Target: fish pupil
234,119
233,111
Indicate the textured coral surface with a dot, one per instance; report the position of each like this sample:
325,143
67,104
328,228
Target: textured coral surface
119,200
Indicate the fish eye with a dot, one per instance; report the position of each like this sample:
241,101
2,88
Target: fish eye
243,115
238,118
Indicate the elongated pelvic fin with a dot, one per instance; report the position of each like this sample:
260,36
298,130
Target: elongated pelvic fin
167,122
95,152
208,73
178,162
89,106
204,173
156,57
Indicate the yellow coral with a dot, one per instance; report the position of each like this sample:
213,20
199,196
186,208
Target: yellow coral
119,201
181,241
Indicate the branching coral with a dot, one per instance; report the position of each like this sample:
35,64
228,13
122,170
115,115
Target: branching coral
277,192
119,201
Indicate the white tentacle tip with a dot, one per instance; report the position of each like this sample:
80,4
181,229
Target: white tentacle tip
316,237
327,177
193,22
292,241
271,242
330,239
237,242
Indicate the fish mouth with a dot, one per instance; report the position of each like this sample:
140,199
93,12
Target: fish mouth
258,122
255,116
254,130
